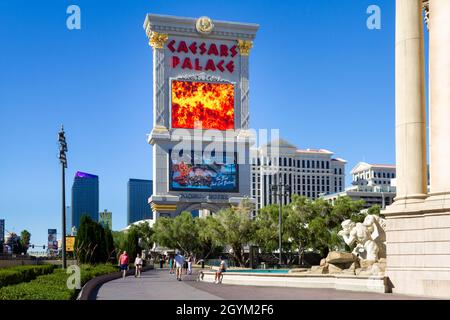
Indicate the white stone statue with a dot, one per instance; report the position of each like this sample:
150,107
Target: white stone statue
367,238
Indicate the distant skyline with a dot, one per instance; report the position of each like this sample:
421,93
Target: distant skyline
316,72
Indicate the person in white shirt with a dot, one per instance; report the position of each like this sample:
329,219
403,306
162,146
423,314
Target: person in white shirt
179,261
222,269
138,265
190,260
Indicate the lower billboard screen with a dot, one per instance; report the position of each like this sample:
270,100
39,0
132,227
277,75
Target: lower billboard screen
211,174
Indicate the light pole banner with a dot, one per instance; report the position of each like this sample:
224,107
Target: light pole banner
52,241
70,243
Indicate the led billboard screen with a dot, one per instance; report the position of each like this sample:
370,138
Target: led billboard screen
210,103
211,173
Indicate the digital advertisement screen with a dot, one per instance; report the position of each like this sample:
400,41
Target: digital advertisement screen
204,174
210,103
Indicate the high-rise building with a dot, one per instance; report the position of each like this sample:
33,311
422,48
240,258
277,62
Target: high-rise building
105,219
85,196
309,172
372,183
138,193
366,174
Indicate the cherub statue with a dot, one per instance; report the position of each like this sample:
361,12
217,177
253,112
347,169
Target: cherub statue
368,238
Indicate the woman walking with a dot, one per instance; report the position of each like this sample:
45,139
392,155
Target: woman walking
190,260
138,265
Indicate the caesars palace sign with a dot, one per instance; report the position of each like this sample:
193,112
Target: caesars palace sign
226,53
200,75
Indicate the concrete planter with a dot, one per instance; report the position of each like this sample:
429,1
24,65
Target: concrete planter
378,284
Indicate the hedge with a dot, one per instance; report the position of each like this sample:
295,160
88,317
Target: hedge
18,274
53,286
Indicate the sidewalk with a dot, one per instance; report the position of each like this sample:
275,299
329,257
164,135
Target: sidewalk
160,285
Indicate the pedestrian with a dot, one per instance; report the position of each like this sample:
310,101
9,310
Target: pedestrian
185,265
123,262
161,262
138,266
189,261
179,261
171,265
222,269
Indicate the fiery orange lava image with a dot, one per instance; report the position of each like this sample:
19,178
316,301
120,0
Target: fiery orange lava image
212,104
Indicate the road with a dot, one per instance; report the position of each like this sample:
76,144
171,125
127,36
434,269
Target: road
160,285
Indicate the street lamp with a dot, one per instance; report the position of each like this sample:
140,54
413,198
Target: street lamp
280,190
63,161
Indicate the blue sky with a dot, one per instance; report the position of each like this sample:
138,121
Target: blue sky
316,72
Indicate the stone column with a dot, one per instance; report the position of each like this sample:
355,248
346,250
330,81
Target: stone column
244,49
410,115
439,24
160,118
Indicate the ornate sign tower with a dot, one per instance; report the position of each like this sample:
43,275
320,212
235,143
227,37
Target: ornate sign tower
200,134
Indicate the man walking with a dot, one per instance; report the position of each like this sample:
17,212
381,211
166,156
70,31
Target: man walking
123,262
179,261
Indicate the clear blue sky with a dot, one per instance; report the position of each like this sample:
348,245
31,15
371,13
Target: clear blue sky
317,73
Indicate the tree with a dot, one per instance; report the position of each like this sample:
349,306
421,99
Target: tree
92,243
235,228
266,233
180,233
145,234
208,241
375,210
132,243
327,221
163,232
25,237
300,214
109,244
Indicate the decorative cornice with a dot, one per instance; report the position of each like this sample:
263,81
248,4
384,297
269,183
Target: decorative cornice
201,77
179,26
157,40
244,47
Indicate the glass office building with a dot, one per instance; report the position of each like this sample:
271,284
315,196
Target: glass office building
138,193
85,196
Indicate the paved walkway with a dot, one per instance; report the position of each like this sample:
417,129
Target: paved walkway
160,285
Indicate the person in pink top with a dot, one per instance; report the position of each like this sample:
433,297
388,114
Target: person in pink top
123,262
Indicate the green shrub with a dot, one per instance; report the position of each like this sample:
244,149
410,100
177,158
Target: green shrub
14,275
53,286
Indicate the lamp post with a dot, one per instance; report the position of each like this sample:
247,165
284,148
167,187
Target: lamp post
63,161
280,190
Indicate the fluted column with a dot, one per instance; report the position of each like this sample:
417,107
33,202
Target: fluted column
439,97
410,122
244,49
160,117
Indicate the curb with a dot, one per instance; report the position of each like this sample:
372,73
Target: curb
88,290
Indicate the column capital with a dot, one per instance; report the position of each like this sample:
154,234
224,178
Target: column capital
245,46
426,8
157,40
